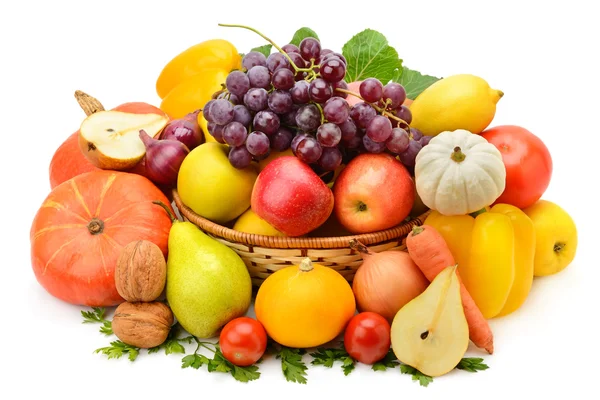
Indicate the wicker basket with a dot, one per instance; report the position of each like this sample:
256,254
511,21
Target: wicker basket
264,255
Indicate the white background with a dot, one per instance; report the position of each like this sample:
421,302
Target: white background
543,55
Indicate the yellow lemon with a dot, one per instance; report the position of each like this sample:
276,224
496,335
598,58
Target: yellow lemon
249,222
209,185
457,102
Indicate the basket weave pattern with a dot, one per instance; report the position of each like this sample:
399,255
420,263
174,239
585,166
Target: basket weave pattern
264,255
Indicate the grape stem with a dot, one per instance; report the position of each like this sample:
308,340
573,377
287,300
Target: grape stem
375,106
321,110
296,68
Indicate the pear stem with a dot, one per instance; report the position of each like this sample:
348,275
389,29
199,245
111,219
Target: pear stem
163,205
358,246
306,265
458,155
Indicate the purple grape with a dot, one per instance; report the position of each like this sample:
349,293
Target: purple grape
234,134
289,118
280,101
425,140
266,121
290,48
333,70
297,139
337,55
309,150
242,115
230,97
404,114
394,94
240,157
221,112
398,141
283,79
320,90
354,143
237,83
308,118
331,158
282,139
206,111
409,155
263,156
300,63
216,131
252,59
379,129
310,48
329,134
300,92
257,143
276,61
362,113
348,129
371,90
340,85
256,99
259,77
416,134
372,146
336,110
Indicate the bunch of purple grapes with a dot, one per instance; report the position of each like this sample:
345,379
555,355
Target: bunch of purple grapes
274,104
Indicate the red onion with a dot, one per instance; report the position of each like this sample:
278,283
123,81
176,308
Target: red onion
186,130
163,159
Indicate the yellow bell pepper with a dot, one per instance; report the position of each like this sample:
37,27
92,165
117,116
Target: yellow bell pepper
495,252
194,92
214,53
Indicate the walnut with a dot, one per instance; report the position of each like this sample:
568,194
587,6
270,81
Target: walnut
142,325
141,272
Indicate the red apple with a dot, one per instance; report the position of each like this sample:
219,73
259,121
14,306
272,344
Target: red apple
374,192
291,197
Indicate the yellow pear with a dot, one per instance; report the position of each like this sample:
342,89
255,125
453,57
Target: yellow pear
430,333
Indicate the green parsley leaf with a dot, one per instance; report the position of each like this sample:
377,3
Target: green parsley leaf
328,356
117,349
173,344
423,379
303,33
266,49
472,364
220,364
414,82
97,316
389,361
292,365
370,56
194,360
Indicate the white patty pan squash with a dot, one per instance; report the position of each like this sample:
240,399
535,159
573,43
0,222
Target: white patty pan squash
459,172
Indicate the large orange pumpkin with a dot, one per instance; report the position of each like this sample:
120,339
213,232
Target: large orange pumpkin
68,160
81,228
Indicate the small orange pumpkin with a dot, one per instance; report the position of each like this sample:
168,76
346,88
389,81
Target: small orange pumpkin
305,306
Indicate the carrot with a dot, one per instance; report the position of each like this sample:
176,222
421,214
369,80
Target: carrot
429,251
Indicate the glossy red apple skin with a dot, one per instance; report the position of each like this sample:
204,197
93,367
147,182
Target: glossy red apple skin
291,197
382,184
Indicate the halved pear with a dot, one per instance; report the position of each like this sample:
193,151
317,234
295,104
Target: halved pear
111,139
430,333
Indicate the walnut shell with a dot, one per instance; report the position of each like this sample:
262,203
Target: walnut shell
142,325
141,272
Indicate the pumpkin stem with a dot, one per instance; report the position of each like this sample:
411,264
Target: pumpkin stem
306,265
417,229
96,226
458,155
163,205
476,213
358,246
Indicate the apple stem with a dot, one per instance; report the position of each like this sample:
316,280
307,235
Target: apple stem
88,104
163,205
458,155
361,248
306,265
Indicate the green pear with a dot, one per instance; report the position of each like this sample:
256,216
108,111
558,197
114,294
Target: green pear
208,284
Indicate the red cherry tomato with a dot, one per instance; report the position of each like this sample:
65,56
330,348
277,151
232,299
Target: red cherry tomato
367,337
243,341
527,161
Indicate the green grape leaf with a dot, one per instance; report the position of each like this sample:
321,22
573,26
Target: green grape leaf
414,82
266,49
370,56
302,33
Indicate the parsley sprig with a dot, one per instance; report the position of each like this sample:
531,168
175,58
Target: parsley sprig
472,364
292,365
173,344
328,356
117,349
424,380
97,316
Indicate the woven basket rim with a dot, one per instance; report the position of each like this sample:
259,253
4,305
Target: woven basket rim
283,242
